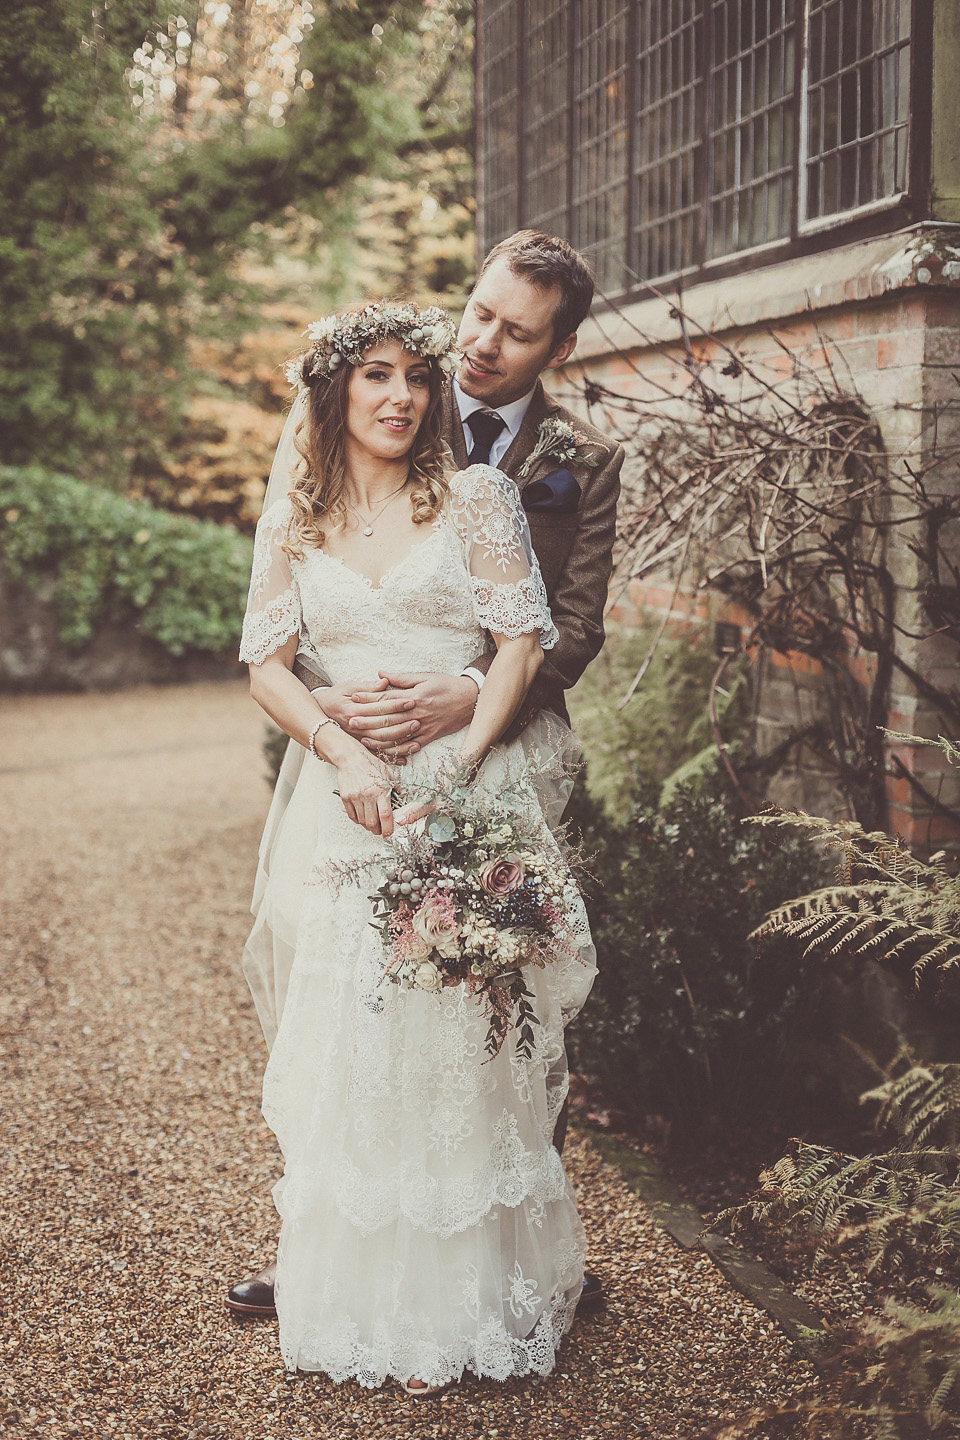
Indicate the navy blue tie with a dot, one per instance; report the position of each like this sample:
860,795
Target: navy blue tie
485,426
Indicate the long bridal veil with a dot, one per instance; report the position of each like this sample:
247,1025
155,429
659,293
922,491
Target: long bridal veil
268,953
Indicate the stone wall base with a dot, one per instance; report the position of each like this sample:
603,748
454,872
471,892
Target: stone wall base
33,657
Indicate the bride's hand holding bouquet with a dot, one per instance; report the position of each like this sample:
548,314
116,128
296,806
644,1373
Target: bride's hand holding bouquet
365,785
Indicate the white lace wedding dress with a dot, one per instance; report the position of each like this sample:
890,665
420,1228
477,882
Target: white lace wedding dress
428,1225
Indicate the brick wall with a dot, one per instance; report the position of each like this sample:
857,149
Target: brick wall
885,315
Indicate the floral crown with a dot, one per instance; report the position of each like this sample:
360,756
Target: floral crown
343,339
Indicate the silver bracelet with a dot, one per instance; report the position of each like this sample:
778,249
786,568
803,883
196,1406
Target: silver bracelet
311,742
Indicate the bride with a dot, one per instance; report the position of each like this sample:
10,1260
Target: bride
427,1223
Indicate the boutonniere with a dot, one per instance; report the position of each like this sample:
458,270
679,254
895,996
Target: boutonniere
559,440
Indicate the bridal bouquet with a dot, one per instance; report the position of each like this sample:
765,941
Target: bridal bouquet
474,899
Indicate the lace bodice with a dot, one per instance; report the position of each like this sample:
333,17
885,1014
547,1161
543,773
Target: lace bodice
474,571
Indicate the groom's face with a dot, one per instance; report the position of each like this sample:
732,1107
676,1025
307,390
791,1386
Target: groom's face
507,338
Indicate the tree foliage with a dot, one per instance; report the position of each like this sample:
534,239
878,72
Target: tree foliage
96,294
122,232
217,183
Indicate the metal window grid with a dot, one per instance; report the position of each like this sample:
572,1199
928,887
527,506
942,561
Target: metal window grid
751,164
601,124
548,44
669,118
857,97
499,80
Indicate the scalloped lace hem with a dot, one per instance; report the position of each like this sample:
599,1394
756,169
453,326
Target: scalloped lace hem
515,609
511,1177
399,1352
370,1207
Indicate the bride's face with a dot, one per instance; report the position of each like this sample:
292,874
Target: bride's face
387,398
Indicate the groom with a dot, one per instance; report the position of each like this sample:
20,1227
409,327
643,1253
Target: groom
531,296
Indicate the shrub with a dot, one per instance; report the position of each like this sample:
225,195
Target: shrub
688,1020
181,581
664,724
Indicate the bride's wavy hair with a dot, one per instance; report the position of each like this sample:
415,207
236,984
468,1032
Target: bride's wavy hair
318,493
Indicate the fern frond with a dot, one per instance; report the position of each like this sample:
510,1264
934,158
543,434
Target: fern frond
938,910
921,1105
886,1207
946,953
950,750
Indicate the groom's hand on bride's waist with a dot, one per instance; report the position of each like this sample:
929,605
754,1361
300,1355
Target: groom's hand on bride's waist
405,711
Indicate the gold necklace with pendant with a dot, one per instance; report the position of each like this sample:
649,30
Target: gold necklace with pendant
368,528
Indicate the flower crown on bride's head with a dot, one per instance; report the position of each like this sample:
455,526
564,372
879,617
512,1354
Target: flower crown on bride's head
343,339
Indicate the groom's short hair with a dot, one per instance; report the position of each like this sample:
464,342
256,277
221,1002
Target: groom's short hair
550,263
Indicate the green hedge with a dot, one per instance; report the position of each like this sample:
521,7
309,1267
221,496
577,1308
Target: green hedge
181,581
688,1019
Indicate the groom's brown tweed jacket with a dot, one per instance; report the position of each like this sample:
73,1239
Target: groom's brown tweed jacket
574,550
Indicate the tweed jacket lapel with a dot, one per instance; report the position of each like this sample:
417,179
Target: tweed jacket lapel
521,445
526,437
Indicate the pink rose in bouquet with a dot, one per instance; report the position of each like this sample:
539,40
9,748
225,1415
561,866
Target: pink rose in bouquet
436,923
499,877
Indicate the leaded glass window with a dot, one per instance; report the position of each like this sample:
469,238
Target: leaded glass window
660,136
499,106
751,123
547,130
669,125
600,139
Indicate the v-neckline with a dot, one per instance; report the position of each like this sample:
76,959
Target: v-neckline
365,579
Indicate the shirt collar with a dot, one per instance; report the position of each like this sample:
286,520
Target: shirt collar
511,415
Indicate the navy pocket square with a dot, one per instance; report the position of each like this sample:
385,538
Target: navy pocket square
557,491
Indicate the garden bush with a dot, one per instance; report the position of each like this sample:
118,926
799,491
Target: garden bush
665,723
689,1020
181,581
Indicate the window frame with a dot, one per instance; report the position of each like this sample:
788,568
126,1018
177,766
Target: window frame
806,237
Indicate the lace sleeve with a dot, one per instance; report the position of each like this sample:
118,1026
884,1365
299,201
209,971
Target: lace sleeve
508,592
273,604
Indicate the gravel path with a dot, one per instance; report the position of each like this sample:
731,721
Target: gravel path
137,1168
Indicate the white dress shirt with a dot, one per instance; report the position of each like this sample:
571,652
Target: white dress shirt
511,415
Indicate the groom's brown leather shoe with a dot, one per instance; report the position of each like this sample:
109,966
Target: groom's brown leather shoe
254,1296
